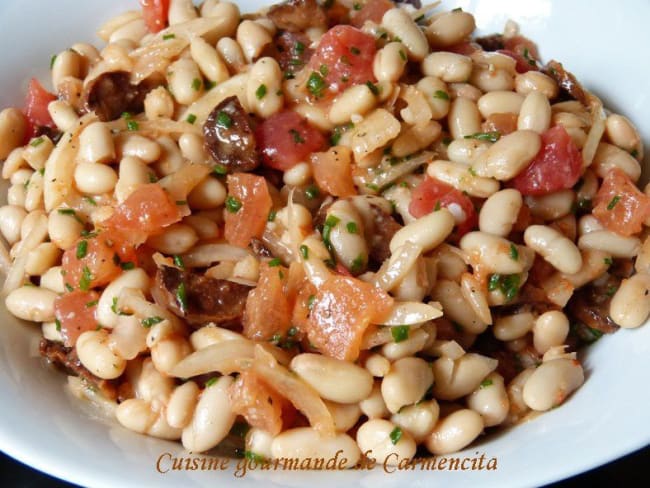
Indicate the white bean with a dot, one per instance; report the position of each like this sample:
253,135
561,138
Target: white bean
11,220
94,179
31,303
499,102
408,347
52,279
418,420
133,278
13,127
96,144
64,229
511,327
550,330
374,406
458,176
208,60
63,115
552,382
95,354
259,442
399,23
389,62
489,79
345,416
509,155
554,248
450,28
456,378
614,244
490,400
182,404
622,133
158,104
455,432
305,442
66,63
356,100
384,441
609,156
450,296
496,254
185,81
406,383
630,305
42,258
427,232
213,417
180,11
535,113
177,238
449,67
500,211
252,38
334,380
436,94
552,206
536,81
377,365
264,87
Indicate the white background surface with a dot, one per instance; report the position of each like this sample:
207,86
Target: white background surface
603,43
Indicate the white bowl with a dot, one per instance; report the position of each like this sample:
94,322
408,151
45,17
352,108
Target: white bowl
42,426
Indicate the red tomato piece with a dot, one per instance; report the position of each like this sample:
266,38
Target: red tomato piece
342,310
96,261
503,123
155,14
75,313
333,171
145,212
247,208
556,167
432,194
36,102
267,308
286,139
619,205
372,10
344,58
522,50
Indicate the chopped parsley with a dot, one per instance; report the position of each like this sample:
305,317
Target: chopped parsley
52,60
167,37
485,136
71,213
352,227
304,251
178,261
82,249
297,138
356,6
608,261
260,92
209,85
373,88
312,192
299,47
211,382
613,202
224,120
232,204
395,435
127,265
357,264
508,284
219,170
150,321
91,201
527,57
400,333
514,252
316,84
251,456
485,383
471,171
402,55
86,278
196,84
440,94
132,125
611,290
181,297
36,142
330,222
92,303
57,324
271,216
323,70
310,301
191,118
275,262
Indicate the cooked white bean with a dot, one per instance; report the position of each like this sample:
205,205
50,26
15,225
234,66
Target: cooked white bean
66,63
178,238
465,90
31,303
11,220
550,330
94,179
509,155
37,152
614,244
454,432
427,232
406,382
459,176
213,417
180,11
377,438
264,87
135,145
466,151
499,102
356,100
208,60
64,229
252,38
642,262
457,378
490,400
609,156
511,327
345,416
374,406
96,144
622,133
556,249
166,353
63,115
418,420
399,23
208,194
298,175
415,343
630,305
133,174
185,81
488,79
129,33
148,383
552,382
42,258
552,206
463,119
135,414
436,94
536,81
496,254
232,53
95,354
334,380
450,28
455,307
500,212
133,278
259,441
305,442
181,404
349,247
316,116
13,127
52,279
158,104
449,67
389,62
535,113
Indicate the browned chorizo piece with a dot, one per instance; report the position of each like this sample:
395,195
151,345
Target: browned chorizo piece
229,137
566,81
297,15
493,42
590,306
199,299
112,94
66,358
385,228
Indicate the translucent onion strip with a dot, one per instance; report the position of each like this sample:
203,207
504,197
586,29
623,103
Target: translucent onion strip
411,313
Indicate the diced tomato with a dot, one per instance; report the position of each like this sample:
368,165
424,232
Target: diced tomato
342,310
619,205
259,404
96,261
522,50
286,139
36,102
432,194
302,305
267,308
503,123
343,58
556,167
333,171
144,213
76,314
155,14
372,10
523,65
247,208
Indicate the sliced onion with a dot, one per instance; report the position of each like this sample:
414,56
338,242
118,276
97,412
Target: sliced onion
16,274
155,57
233,86
128,338
387,173
598,118
447,349
299,393
180,183
224,357
208,254
398,266
210,28
376,336
411,313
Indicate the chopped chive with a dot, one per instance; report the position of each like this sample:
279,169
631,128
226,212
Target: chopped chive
304,251
219,170
297,137
310,301
181,297
400,333
82,249
212,381
114,308
514,252
251,456
196,84
150,321
167,37
57,324
357,264
352,227
52,61
437,207
395,435
178,261
232,204
71,213
613,202
191,118
485,136
355,50
608,261
132,125
485,383
181,202
271,216
36,142
260,92
91,201
69,287
92,303
356,6
316,84
402,55
611,290
373,88
86,278
312,192
299,47
471,171
275,262
224,120
127,265
323,70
